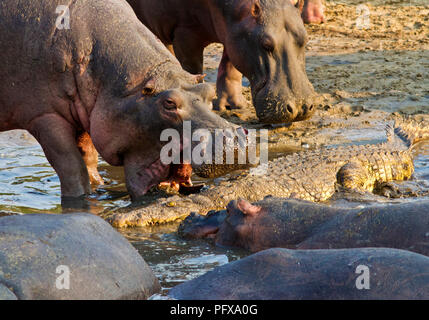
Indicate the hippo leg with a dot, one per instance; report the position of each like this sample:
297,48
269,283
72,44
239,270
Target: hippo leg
90,156
58,140
189,50
228,86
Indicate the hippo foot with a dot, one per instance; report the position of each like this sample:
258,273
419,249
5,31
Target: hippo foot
95,178
230,103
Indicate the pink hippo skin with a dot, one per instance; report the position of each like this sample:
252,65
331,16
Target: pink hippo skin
106,78
263,39
313,12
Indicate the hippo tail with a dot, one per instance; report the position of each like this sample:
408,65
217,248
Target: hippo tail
407,133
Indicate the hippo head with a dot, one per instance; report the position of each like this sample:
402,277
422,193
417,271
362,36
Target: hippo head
230,228
265,40
131,133
197,226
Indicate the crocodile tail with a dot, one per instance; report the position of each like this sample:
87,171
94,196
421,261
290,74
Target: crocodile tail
407,133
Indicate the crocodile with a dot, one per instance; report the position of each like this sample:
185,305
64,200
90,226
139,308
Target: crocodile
312,175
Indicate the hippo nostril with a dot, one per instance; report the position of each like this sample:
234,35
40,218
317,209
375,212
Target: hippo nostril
289,108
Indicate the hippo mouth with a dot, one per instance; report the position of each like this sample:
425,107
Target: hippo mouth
179,180
170,178
197,226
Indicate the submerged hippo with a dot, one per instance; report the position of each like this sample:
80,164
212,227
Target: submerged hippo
282,274
294,224
92,70
263,39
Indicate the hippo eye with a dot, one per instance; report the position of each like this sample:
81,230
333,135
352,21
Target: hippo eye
170,104
268,43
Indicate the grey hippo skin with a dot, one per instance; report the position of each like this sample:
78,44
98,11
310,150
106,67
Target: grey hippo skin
102,264
263,39
294,224
281,274
106,78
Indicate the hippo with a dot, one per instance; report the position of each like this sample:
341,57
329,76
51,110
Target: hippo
91,78
337,274
313,12
263,39
297,224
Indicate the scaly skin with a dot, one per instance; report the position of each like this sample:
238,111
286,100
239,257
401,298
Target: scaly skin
311,175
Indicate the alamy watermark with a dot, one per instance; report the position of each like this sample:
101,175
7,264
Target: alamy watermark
362,281
63,20
363,20
62,282
218,146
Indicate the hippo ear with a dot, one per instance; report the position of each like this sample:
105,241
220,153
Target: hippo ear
247,208
199,78
299,4
244,9
256,10
149,87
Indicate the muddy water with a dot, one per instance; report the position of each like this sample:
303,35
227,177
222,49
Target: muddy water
383,68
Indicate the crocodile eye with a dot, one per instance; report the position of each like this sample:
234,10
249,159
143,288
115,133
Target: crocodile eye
149,88
148,91
268,43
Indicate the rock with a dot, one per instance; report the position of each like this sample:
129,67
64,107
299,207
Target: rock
39,251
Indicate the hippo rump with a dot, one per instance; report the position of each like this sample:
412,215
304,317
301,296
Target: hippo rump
93,73
295,224
284,274
263,39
